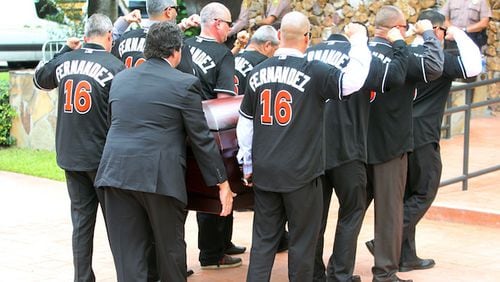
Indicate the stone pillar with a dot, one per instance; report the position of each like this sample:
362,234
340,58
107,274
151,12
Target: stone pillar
35,123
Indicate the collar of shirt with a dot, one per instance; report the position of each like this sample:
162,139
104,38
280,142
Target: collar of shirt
288,52
94,46
203,38
166,60
337,37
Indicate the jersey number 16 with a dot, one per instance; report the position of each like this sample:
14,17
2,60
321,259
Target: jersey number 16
282,106
78,98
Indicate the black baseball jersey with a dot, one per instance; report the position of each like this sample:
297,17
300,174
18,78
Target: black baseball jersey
129,48
84,79
285,97
346,122
390,127
430,102
214,66
244,62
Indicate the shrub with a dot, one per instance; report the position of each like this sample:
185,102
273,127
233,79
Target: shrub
7,113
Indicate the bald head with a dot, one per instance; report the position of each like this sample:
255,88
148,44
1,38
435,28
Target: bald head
388,16
293,26
214,10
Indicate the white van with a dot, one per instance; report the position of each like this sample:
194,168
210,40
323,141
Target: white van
23,33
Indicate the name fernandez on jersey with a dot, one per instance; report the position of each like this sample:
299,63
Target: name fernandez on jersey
242,65
202,59
332,57
133,44
279,74
99,73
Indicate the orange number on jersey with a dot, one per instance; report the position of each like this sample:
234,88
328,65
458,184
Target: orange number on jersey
282,107
82,97
236,84
130,59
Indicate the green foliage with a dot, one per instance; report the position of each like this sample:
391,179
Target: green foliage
73,18
7,113
39,163
182,13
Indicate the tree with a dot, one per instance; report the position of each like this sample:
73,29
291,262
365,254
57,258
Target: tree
106,7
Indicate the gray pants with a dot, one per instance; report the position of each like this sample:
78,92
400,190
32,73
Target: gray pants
84,202
386,183
302,207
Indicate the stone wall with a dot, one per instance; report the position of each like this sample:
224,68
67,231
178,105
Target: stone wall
35,123
330,16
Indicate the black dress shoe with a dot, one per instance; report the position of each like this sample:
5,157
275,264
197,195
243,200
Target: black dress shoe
189,272
418,264
356,278
370,245
401,280
283,246
234,250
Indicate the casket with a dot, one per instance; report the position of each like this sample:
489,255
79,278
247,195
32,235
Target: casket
222,116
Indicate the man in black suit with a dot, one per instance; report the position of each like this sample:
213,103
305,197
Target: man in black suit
154,107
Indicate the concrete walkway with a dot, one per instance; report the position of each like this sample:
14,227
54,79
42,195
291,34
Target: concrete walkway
35,227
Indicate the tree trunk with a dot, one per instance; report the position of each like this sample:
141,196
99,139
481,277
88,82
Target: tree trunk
106,7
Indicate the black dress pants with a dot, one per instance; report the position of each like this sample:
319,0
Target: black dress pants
135,219
302,208
424,175
349,183
84,202
214,233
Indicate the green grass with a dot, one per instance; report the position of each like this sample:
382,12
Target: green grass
4,75
39,163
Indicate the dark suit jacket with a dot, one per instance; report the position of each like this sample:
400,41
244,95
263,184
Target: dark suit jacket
154,107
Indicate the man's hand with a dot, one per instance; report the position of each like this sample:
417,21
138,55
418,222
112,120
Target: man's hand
226,198
355,30
243,37
451,31
394,34
422,25
247,180
192,21
133,17
241,41
73,43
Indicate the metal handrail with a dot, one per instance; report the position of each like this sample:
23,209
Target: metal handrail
50,48
467,108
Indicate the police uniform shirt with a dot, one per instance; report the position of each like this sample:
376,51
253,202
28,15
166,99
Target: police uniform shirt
465,12
214,66
346,122
285,98
244,62
390,129
129,48
430,102
84,78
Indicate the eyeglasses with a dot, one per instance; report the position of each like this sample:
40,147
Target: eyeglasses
440,27
406,26
176,8
308,34
230,24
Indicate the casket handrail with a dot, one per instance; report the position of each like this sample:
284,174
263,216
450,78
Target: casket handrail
222,113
